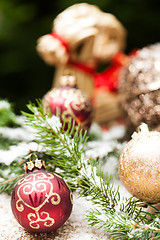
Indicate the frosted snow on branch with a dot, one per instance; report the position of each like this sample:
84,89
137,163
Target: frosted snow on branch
20,133
4,105
91,173
70,144
107,143
54,123
16,153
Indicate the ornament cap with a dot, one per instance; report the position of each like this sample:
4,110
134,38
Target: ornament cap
36,164
142,129
68,79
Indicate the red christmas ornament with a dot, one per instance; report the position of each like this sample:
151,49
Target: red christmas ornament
41,201
72,102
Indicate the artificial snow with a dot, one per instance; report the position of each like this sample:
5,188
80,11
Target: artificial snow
16,153
4,104
76,227
54,123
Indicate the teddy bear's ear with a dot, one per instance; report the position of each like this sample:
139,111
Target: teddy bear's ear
52,51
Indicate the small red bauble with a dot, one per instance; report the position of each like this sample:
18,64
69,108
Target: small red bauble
72,103
41,201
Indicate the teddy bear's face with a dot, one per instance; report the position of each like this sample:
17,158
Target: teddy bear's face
99,47
106,44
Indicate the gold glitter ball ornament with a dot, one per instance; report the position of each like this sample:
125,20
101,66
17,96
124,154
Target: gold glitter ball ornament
139,87
139,165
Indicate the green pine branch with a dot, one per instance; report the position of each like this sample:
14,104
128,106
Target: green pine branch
66,150
65,154
125,220
5,143
7,116
121,226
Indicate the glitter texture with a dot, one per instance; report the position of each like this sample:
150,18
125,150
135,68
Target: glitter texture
140,87
139,166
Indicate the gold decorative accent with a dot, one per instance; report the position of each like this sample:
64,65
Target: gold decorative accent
37,163
55,202
39,219
77,100
29,166
28,189
33,154
30,215
26,179
57,175
40,183
50,175
67,185
71,197
20,207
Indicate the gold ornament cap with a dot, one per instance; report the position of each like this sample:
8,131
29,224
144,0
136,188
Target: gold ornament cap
37,163
141,130
68,79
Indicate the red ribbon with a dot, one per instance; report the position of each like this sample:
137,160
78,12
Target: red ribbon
61,39
107,79
83,67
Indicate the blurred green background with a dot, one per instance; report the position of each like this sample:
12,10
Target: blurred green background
23,75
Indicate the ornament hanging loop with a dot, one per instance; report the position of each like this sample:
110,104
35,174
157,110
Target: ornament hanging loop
143,128
31,155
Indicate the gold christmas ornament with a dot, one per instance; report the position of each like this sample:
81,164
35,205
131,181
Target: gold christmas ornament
139,87
139,165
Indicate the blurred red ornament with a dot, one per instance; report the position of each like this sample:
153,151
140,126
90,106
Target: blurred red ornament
72,102
41,201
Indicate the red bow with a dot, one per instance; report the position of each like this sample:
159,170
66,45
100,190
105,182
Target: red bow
107,79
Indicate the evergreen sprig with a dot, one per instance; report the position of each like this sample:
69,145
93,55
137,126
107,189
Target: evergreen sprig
65,154
5,143
7,116
124,220
64,147
14,169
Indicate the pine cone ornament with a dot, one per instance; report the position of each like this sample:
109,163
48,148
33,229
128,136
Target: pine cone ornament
139,87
